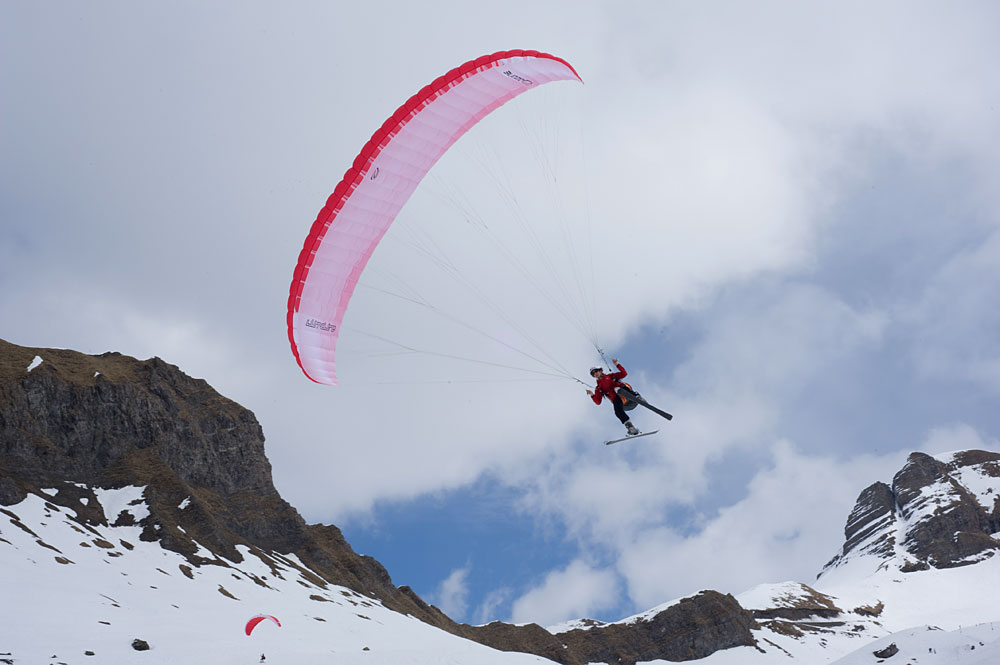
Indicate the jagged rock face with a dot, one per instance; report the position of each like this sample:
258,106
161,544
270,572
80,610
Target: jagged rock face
74,417
694,628
949,525
947,513
112,420
874,512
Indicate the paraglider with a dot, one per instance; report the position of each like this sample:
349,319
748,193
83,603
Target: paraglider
622,397
383,176
606,385
254,621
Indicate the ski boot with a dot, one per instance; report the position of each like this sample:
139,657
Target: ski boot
632,431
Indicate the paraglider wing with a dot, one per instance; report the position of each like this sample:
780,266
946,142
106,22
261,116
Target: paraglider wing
252,623
384,175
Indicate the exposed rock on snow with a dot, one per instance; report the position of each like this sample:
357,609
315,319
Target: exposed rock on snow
688,629
938,513
930,645
887,652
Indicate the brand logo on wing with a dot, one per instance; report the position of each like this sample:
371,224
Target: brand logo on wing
519,79
321,326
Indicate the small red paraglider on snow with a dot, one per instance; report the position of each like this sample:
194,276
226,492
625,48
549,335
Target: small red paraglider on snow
252,623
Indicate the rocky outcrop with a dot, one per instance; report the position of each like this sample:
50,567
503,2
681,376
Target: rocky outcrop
807,603
874,511
691,629
933,508
949,527
887,652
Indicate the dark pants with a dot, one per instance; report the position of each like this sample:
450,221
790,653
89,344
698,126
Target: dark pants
619,409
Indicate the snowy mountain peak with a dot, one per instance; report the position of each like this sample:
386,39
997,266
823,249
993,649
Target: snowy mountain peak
940,512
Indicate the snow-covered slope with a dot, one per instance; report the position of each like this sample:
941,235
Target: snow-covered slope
919,553
870,612
71,588
75,593
930,645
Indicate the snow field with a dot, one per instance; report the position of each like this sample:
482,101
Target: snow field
70,589
927,645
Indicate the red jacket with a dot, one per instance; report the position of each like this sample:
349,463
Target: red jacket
608,383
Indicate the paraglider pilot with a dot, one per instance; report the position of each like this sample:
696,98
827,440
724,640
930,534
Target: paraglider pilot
606,386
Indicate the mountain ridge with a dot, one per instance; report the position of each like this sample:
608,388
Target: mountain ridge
72,423
137,457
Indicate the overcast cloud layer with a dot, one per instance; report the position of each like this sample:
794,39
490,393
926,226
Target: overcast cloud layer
784,219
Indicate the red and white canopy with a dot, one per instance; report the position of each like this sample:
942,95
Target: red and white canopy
384,175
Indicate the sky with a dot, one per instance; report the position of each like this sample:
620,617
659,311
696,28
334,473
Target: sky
782,218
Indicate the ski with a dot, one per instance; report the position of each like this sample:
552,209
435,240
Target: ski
631,436
629,395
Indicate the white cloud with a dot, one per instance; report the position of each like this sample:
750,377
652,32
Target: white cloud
784,528
489,608
956,320
775,341
452,595
956,437
730,396
573,592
